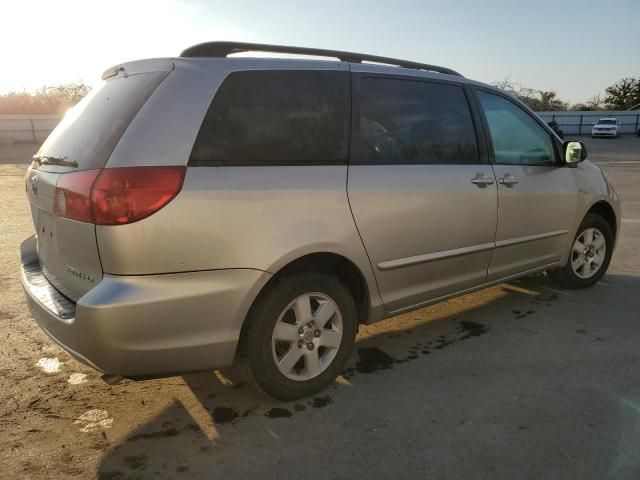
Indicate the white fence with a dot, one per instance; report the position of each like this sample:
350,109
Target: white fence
26,128
580,123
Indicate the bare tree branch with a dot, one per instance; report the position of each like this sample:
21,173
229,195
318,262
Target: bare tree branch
57,99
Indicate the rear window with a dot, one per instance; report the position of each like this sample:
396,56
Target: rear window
277,117
89,132
409,122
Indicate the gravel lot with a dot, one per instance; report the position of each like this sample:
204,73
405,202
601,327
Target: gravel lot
520,381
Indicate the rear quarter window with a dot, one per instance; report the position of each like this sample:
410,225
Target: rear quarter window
279,117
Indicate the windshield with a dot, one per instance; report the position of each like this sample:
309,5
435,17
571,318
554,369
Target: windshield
606,122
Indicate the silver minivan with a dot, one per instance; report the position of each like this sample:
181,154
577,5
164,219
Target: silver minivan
200,211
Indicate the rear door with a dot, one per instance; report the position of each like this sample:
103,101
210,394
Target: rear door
422,193
83,142
537,193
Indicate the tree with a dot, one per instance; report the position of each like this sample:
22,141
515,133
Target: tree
580,107
507,85
623,94
57,99
525,95
537,100
70,93
595,102
636,94
550,102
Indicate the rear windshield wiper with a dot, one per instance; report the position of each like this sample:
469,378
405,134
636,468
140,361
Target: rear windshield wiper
61,161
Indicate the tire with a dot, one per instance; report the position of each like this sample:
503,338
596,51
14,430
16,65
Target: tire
282,305
579,272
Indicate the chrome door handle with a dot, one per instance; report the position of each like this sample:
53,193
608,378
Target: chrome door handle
481,180
509,180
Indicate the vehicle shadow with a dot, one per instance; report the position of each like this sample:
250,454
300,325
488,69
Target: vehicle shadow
241,430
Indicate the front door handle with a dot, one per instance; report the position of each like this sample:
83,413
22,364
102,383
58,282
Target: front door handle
509,180
481,180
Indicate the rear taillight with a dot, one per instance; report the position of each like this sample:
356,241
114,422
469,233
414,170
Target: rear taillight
129,194
72,198
115,196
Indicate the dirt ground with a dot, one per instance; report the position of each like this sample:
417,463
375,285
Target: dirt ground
520,381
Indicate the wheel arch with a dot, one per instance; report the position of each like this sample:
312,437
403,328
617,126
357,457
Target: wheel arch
331,263
340,266
603,209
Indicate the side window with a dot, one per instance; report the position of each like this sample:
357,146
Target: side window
279,117
517,138
415,122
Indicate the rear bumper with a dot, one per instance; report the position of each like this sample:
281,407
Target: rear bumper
147,325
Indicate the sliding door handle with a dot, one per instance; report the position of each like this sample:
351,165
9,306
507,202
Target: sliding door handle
481,180
508,180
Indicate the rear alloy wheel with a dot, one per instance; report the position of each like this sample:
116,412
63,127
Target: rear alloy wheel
298,336
590,255
307,336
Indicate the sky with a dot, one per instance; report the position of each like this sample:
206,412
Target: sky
576,48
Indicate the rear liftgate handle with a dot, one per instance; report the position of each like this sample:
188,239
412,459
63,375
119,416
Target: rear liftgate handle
481,180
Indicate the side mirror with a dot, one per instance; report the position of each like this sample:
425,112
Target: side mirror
574,152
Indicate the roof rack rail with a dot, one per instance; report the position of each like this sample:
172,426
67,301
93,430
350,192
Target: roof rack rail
222,49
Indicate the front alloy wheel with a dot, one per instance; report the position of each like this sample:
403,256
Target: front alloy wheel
590,254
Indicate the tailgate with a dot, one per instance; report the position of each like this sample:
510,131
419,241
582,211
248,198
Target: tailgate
84,140
67,249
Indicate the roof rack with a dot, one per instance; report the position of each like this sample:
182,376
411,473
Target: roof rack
222,49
